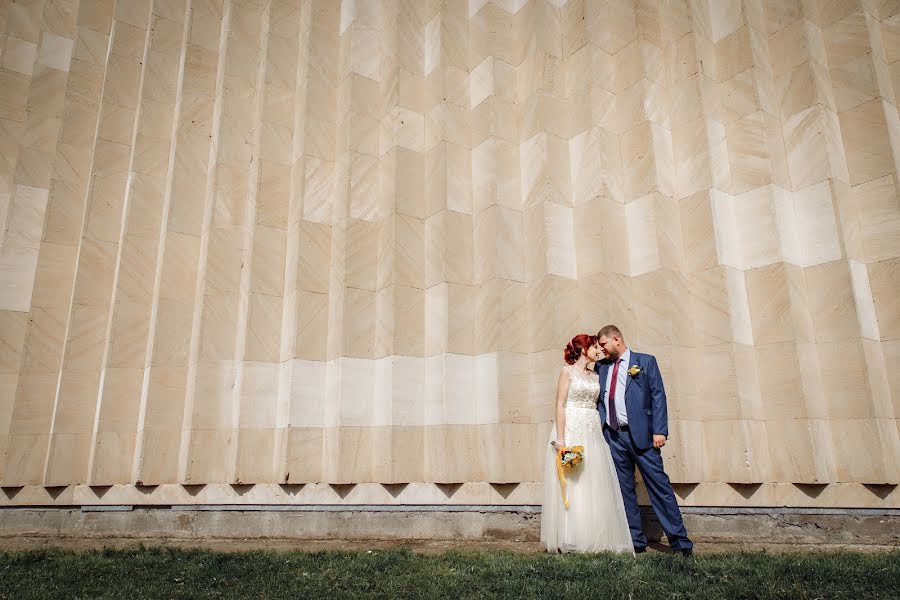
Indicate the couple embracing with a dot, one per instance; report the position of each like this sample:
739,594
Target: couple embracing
610,401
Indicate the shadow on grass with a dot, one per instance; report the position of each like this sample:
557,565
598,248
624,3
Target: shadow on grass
172,573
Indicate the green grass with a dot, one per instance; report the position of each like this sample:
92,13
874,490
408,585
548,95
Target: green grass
167,573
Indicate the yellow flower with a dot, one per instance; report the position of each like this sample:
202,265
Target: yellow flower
634,371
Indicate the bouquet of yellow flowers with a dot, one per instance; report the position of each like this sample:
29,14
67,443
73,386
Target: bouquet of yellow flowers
568,458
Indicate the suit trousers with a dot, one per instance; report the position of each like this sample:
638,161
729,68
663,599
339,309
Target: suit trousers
626,456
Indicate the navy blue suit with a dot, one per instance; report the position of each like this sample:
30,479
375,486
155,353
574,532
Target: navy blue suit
645,406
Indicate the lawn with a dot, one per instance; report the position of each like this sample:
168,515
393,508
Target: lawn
170,573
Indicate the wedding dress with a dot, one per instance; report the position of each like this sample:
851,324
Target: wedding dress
595,520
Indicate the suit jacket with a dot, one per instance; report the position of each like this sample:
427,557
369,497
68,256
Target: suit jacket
645,399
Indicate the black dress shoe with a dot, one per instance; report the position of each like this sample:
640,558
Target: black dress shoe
687,552
640,550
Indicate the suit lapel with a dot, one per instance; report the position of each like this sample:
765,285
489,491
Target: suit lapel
633,363
601,373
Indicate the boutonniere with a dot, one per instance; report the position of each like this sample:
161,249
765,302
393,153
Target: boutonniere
634,371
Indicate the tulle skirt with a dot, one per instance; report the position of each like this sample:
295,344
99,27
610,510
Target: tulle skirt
595,520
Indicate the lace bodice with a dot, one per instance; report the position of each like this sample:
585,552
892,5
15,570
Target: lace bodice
584,388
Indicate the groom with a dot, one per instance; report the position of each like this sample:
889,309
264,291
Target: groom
635,424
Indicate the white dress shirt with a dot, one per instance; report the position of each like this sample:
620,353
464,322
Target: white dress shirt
622,381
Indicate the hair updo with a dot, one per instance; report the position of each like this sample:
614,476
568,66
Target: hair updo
579,344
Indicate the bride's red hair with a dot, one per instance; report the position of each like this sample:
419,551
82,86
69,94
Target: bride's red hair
579,344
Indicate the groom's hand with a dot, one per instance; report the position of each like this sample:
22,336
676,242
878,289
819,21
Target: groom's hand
659,441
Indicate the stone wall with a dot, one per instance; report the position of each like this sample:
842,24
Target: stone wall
294,241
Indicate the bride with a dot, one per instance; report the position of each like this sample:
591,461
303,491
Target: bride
595,519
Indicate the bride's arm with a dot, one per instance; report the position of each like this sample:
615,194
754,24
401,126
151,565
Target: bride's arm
562,390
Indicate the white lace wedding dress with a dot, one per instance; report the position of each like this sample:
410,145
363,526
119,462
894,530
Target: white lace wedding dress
595,520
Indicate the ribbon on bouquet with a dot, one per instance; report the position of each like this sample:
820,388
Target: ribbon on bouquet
566,460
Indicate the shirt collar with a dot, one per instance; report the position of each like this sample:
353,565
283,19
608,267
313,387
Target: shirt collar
626,356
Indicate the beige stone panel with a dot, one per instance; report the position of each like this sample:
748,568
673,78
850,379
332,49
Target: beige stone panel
267,274
854,82
611,25
13,95
179,269
86,336
680,58
128,337
789,47
798,459
76,405
361,254
449,182
255,455
363,187
173,331
453,453
67,460
186,205
748,456
875,356
496,175
33,408
846,388
14,328
864,131
648,161
104,221
552,305
807,225
745,228
869,220
400,321
690,142
213,399
25,460
827,12
780,389
499,239
769,302
500,310
17,267
225,259
19,55
831,303
516,440
165,401
710,306
274,195
120,400
864,441
113,458
25,224
359,323
203,463
891,352
45,342
264,328
401,252
545,176
449,248
312,325
590,233
882,279
231,193
158,463
218,327
698,230
314,256
747,154
811,155
319,189
304,454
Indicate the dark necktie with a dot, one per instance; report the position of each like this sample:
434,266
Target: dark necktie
613,417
